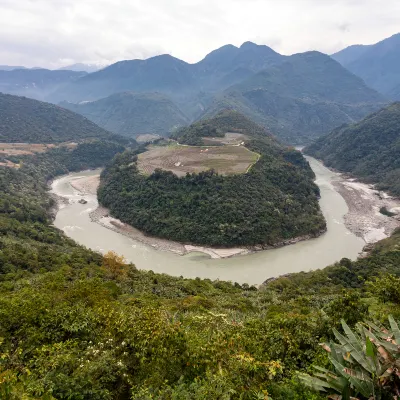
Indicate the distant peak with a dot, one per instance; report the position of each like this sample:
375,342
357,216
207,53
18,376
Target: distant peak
248,45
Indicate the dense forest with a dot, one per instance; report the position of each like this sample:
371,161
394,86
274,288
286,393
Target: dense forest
31,121
78,325
274,201
370,149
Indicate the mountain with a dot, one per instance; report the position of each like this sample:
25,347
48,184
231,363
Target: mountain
163,73
230,64
369,149
35,83
131,114
350,54
32,121
306,96
10,67
298,97
378,65
89,68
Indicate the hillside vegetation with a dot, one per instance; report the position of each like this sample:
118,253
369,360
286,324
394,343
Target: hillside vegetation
131,114
274,201
32,121
303,97
370,149
378,64
77,325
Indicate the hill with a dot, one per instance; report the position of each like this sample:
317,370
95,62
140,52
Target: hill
32,121
306,96
36,83
369,149
131,114
273,201
225,121
378,65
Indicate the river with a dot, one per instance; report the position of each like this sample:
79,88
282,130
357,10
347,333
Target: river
255,268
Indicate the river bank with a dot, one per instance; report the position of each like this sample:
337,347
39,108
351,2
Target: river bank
101,215
75,219
364,218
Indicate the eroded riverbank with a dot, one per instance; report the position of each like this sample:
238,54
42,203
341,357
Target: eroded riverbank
75,220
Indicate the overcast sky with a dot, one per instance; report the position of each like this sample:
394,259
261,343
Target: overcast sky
54,33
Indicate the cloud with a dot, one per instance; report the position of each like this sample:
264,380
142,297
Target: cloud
47,33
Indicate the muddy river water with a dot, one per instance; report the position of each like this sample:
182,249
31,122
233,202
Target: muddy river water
73,218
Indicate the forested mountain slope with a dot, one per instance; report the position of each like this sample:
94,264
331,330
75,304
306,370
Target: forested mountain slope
306,96
378,65
75,324
32,121
36,83
370,149
131,114
298,97
275,200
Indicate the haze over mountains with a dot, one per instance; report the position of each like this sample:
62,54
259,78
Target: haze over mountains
298,97
378,65
132,114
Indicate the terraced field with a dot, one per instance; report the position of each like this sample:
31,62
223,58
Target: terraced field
226,160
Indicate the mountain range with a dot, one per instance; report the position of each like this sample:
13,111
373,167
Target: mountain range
298,97
378,64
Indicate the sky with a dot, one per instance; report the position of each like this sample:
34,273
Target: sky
55,33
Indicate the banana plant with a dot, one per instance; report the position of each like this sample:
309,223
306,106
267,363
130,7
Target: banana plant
365,364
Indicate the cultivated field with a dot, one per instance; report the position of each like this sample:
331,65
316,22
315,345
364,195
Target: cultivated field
226,160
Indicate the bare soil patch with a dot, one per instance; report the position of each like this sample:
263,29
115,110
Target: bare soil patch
14,149
226,160
230,138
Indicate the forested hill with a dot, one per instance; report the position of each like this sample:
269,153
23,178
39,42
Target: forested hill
131,114
225,121
32,121
370,149
274,201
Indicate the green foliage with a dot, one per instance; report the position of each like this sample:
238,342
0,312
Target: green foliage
365,364
277,200
370,149
131,114
31,121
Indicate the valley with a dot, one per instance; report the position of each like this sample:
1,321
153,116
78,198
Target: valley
162,238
